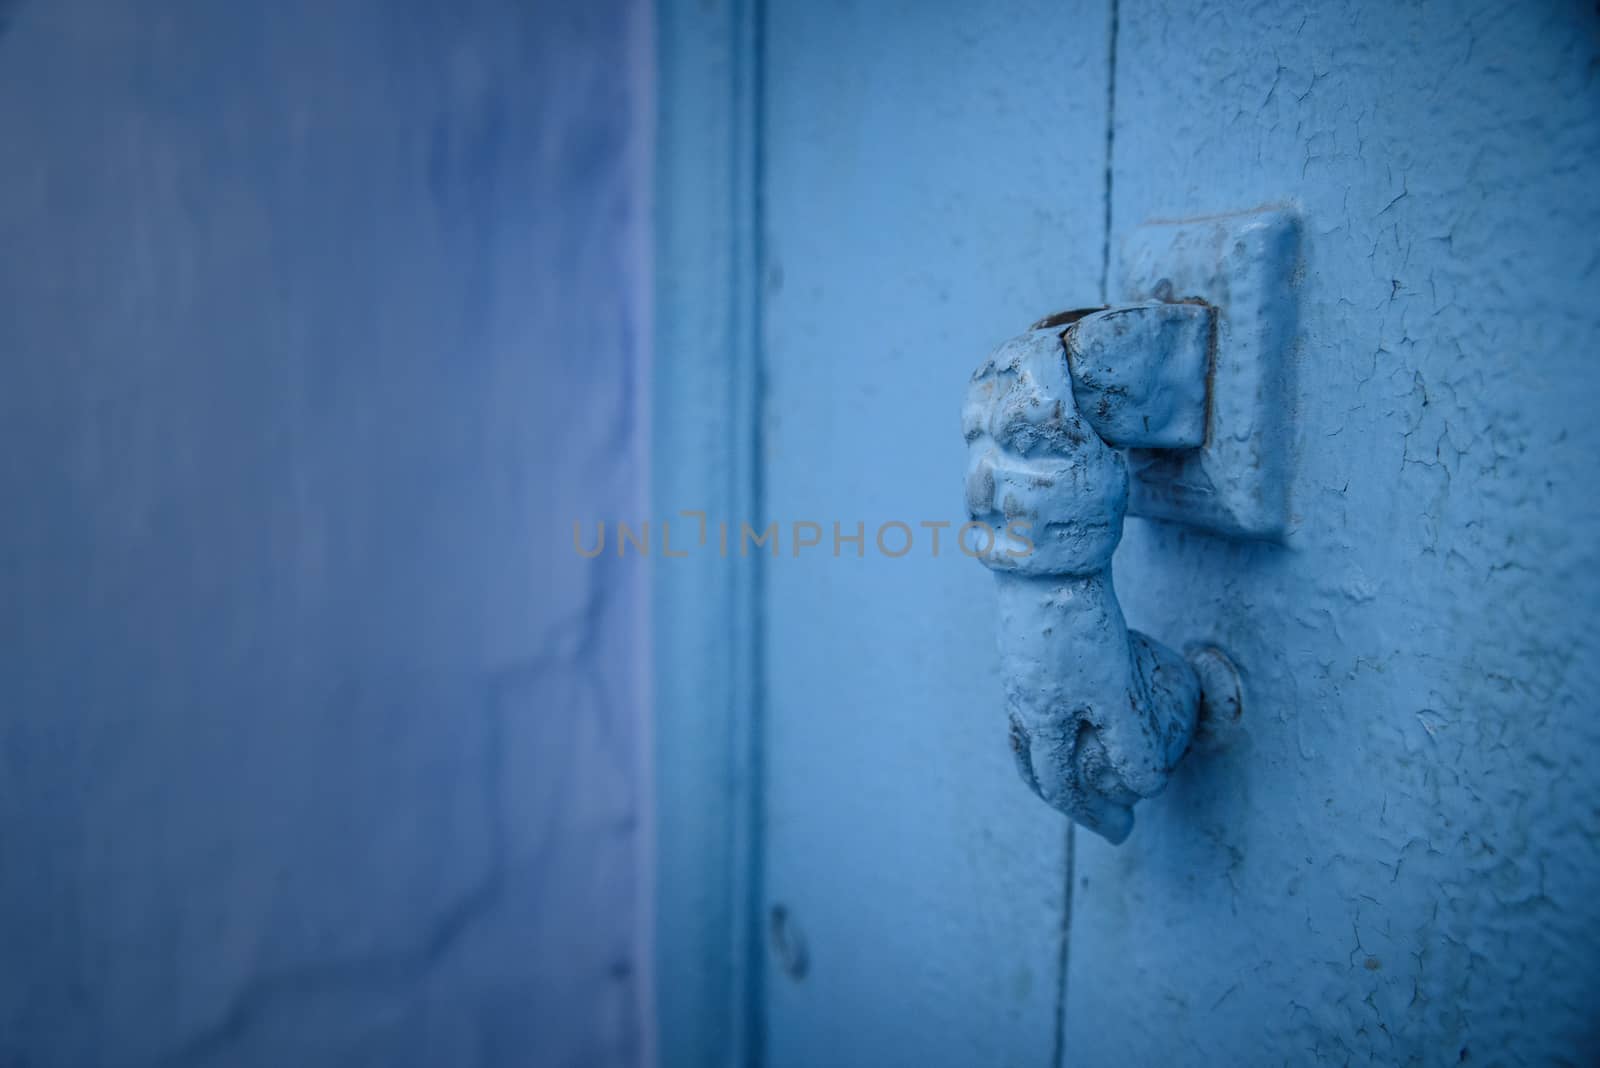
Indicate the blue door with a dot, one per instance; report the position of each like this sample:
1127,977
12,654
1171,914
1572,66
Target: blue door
1392,856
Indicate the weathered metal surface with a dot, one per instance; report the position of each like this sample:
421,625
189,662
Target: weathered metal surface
1237,482
1099,714
1141,402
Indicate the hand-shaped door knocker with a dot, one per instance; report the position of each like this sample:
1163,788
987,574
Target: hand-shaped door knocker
1100,714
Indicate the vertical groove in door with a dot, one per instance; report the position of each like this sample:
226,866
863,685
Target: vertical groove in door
1111,134
755,904
1058,1057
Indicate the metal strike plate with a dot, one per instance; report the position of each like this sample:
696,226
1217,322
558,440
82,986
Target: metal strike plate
1247,267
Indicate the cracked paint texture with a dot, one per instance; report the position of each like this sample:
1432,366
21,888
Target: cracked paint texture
322,323
1399,861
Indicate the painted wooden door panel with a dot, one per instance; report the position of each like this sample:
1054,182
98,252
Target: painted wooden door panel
1396,861
1399,863
933,179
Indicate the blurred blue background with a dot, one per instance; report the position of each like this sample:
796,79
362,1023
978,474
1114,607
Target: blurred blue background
321,324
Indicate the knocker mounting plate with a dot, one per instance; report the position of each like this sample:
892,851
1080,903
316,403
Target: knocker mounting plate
1247,267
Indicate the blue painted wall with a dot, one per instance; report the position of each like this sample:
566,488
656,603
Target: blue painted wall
322,322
